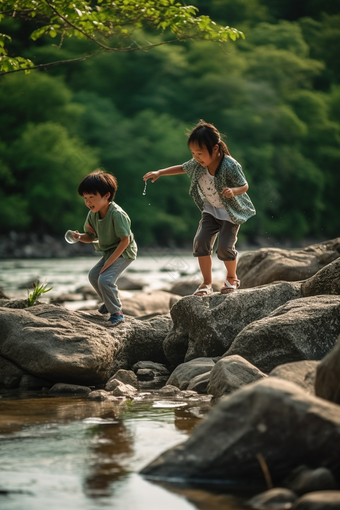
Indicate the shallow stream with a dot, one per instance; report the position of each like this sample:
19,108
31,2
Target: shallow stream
75,454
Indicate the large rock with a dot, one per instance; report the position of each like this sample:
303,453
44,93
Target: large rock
230,374
299,372
327,381
271,420
273,264
10,374
59,345
325,281
50,342
207,326
303,329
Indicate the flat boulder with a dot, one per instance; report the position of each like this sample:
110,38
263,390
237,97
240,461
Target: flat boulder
207,326
269,265
271,420
302,329
62,346
53,343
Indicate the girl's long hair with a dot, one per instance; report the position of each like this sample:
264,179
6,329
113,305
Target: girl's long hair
206,135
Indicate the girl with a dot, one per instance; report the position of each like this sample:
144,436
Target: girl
218,187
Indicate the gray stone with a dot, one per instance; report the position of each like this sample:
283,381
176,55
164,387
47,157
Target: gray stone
207,326
141,340
303,329
323,500
271,417
125,376
157,368
53,343
269,265
200,383
299,372
145,374
185,372
10,374
303,480
325,281
230,374
73,389
327,382
124,390
169,390
99,395
279,497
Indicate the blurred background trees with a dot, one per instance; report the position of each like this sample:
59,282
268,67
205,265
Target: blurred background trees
275,96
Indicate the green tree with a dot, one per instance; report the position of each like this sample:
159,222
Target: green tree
109,26
48,166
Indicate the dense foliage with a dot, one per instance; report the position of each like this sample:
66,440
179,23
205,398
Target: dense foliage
109,26
275,96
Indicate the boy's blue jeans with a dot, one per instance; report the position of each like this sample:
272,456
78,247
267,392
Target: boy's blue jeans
105,283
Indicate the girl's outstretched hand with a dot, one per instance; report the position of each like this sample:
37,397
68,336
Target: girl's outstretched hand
152,175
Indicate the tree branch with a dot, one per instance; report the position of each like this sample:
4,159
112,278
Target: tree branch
88,36
85,57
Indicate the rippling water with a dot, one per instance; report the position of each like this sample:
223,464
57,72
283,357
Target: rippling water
157,271
77,454
74,454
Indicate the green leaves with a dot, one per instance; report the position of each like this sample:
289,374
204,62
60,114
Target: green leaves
109,25
38,290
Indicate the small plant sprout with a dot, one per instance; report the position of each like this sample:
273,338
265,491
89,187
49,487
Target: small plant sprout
38,290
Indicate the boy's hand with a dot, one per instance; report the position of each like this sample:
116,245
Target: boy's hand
152,175
105,266
228,192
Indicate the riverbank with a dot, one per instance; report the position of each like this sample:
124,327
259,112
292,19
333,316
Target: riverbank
43,246
266,356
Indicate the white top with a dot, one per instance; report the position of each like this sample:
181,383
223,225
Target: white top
212,202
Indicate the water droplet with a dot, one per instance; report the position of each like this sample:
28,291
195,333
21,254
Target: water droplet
145,185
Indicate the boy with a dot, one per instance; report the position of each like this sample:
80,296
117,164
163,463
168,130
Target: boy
110,225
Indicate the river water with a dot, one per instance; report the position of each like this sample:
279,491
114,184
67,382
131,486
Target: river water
158,270
77,454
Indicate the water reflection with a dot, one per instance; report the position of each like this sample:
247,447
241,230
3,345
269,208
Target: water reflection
111,448
84,455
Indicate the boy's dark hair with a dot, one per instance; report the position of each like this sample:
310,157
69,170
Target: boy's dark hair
206,135
99,182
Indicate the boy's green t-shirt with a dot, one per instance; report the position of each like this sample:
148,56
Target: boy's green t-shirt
110,229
